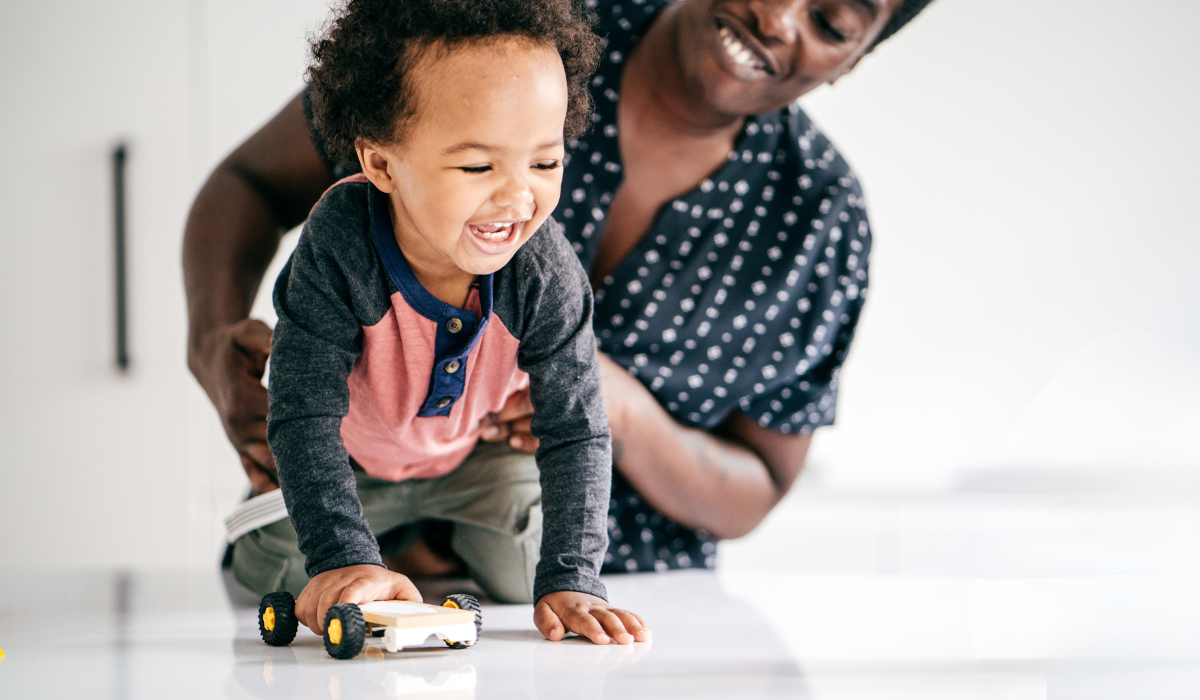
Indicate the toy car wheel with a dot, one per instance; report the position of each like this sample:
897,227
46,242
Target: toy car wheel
345,631
277,618
462,601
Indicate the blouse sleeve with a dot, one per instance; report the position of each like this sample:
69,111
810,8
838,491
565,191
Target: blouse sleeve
820,328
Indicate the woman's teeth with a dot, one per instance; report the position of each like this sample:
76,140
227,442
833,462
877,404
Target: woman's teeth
492,232
738,51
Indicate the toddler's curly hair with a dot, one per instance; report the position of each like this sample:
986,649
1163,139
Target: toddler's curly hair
359,77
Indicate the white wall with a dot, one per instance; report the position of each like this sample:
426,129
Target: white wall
1033,304
1030,170
99,468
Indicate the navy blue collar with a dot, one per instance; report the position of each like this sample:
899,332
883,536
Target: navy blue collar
402,275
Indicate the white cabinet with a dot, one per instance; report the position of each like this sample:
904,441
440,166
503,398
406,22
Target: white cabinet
99,467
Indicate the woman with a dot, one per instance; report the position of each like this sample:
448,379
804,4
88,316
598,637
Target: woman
726,239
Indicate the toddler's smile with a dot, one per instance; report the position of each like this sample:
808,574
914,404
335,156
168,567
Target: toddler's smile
497,237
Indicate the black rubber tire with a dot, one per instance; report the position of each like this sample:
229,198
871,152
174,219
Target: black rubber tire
283,606
354,631
465,602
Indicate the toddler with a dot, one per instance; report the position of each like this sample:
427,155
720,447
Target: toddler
421,295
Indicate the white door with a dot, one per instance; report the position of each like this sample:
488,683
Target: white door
102,467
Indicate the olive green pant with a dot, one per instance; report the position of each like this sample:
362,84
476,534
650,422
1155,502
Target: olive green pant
493,498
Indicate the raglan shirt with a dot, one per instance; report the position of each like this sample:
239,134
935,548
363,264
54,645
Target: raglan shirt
367,365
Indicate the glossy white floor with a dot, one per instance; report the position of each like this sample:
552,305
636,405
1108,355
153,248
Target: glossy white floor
964,595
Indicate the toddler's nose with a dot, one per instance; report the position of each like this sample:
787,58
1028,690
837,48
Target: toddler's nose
515,194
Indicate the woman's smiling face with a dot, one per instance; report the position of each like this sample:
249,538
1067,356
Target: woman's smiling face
479,166
755,56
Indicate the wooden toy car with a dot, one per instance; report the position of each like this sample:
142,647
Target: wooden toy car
401,623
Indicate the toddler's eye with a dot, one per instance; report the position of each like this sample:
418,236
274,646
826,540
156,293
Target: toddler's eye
476,168
552,165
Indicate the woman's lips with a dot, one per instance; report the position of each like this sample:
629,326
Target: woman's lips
742,50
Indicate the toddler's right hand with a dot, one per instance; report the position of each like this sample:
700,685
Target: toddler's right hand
361,583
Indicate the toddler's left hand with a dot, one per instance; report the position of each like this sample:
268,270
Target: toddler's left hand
586,615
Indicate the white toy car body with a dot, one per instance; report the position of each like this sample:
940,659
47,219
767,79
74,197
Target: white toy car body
406,624
401,623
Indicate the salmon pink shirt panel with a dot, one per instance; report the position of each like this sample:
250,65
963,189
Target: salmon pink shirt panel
388,386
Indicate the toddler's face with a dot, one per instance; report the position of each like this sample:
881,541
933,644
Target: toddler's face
480,164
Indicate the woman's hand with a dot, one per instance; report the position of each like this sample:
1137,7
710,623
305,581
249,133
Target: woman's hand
588,616
512,422
361,583
229,364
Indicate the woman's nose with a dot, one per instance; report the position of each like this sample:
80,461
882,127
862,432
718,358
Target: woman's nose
777,19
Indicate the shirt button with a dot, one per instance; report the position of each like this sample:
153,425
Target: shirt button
454,325
452,366
444,402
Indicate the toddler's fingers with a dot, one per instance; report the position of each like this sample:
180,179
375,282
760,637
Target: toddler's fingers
580,621
613,625
403,589
357,591
634,624
304,605
329,597
547,622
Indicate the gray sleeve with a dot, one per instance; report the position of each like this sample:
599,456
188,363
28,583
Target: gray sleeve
317,340
548,301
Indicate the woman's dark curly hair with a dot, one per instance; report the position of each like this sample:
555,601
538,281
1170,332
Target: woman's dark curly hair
360,83
902,16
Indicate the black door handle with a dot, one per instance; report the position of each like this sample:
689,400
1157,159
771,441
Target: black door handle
122,314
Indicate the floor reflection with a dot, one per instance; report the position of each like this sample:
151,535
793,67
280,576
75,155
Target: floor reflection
373,675
707,645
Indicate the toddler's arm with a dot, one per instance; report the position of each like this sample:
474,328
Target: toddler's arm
549,302
316,342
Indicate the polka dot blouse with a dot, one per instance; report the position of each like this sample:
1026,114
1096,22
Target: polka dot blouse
743,296
745,293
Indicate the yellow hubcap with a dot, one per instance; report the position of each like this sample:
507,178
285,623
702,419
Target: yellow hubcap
451,604
334,631
269,619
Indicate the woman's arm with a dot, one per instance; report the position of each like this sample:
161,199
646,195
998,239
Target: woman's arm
265,187
725,485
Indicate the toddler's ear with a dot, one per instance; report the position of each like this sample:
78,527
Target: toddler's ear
375,166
